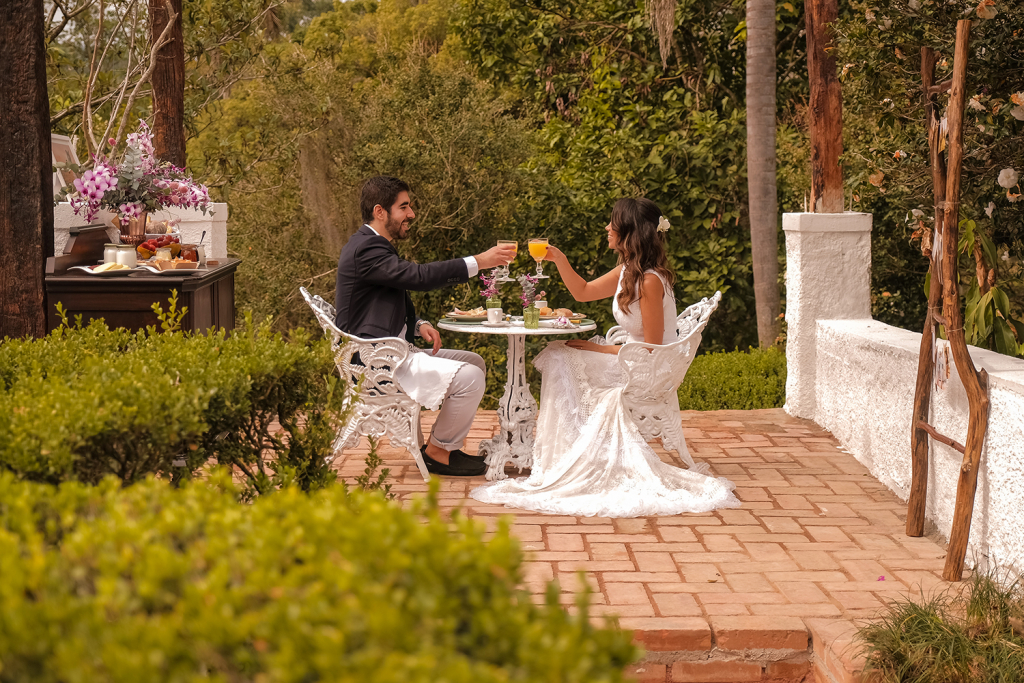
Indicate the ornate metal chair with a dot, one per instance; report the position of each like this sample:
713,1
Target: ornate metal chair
654,373
382,407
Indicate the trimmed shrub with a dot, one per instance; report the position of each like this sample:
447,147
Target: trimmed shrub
87,402
152,583
735,380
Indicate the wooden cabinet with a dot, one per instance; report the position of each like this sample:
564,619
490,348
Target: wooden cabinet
127,301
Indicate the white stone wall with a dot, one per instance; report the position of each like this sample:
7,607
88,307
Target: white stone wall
855,377
192,225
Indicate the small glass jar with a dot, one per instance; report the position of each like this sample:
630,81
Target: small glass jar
163,253
189,253
494,302
531,317
110,253
126,256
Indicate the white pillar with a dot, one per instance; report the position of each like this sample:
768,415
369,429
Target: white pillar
828,277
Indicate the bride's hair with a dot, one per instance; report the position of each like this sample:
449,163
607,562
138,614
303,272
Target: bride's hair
641,246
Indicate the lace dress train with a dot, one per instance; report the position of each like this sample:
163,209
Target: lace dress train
590,459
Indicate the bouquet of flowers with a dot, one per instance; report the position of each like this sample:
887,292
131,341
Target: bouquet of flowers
135,185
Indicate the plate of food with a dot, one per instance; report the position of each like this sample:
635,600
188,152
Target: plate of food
105,270
467,316
556,313
172,267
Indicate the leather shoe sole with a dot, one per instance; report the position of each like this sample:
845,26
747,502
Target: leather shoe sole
458,465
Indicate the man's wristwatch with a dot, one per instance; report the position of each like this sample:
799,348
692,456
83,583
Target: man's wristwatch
419,324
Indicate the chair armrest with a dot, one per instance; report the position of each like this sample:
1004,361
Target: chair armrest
616,335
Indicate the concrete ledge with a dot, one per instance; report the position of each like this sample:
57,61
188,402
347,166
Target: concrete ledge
865,377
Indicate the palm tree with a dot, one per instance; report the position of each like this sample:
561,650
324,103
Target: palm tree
764,241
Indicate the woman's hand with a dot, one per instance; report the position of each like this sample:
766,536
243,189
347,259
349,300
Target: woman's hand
591,346
555,255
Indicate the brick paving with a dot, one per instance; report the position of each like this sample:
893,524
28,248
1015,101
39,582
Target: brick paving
817,546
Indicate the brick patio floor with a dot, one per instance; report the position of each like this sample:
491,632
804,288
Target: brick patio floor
770,590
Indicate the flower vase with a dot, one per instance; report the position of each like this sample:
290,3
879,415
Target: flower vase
494,302
133,230
531,317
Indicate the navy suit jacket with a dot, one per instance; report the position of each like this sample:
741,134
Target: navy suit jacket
372,294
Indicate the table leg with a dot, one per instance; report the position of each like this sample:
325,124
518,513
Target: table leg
517,417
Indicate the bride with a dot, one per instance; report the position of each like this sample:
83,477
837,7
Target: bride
589,458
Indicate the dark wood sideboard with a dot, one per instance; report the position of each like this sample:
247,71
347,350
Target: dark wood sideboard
209,293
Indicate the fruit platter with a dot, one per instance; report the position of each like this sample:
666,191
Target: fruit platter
147,249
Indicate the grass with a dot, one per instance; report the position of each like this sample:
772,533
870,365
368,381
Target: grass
975,635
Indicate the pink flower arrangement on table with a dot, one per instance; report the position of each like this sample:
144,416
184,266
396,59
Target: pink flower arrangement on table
490,290
137,183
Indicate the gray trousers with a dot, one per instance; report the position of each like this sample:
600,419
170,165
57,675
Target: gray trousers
458,409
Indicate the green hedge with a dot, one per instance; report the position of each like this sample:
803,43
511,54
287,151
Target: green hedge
735,380
88,402
152,583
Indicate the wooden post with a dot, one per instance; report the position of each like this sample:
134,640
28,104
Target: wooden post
926,363
825,110
975,383
26,170
168,81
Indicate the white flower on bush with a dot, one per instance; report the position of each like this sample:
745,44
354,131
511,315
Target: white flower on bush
917,213
870,16
1017,113
1007,178
990,208
975,103
987,9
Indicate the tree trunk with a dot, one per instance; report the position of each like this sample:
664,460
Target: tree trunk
168,81
825,109
26,170
761,188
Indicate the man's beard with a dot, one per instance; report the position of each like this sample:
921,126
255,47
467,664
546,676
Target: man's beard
394,228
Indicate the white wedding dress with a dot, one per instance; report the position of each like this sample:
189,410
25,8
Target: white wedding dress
589,459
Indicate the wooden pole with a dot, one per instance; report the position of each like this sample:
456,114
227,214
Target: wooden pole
26,170
168,81
825,110
916,503
975,383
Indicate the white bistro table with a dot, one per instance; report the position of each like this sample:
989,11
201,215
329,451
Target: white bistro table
517,411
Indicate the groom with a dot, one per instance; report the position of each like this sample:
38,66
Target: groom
372,300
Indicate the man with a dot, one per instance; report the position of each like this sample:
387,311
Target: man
372,300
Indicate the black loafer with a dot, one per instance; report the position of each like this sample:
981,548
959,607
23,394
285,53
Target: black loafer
474,458
458,465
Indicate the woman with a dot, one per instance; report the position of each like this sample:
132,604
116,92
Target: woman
589,458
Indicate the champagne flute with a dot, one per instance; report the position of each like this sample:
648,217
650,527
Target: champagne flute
538,250
503,270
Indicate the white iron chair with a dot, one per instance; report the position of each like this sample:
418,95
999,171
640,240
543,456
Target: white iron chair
382,407
654,373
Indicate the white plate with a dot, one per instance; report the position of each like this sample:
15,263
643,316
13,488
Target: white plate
497,324
106,273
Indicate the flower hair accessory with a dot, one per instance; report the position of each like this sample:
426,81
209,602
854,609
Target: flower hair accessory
663,224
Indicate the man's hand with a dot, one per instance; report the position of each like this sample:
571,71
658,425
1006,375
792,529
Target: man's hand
496,256
591,346
431,336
